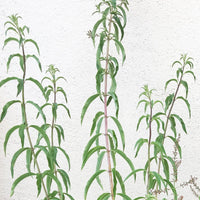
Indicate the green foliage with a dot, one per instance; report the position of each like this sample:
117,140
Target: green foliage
163,117
45,142
108,31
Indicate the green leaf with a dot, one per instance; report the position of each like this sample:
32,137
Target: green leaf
173,124
39,109
119,44
5,108
113,2
36,59
89,144
89,153
99,51
126,197
123,155
192,73
139,144
49,173
43,133
9,40
90,182
59,89
10,29
34,43
36,82
181,121
165,168
10,59
117,20
176,62
139,121
121,131
173,189
87,103
124,15
66,156
184,83
98,166
18,180
21,133
133,173
115,98
168,101
167,83
121,182
39,183
99,114
187,104
104,196
20,86
65,107
65,179
28,159
14,158
94,30
7,80
177,145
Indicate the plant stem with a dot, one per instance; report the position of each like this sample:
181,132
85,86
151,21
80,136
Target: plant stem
149,148
167,121
26,121
105,112
53,124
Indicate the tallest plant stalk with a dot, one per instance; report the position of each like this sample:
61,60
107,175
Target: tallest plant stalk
106,113
111,27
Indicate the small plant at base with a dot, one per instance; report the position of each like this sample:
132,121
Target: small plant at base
25,129
156,182
112,24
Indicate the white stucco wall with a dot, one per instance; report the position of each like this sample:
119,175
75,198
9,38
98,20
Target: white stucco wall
157,32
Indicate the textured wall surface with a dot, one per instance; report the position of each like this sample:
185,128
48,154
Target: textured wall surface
157,32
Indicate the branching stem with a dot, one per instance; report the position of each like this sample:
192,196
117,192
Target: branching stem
167,121
26,121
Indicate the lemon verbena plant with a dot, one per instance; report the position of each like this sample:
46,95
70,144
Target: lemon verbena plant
158,117
108,31
35,148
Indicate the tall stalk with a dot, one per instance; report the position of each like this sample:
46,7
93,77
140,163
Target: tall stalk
112,24
43,143
186,61
106,113
155,180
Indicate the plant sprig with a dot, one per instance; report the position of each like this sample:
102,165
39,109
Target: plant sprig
111,31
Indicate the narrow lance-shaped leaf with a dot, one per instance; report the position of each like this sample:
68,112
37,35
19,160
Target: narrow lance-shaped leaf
98,166
5,108
184,83
90,182
36,59
34,43
9,40
181,121
10,59
14,158
119,44
121,131
18,180
87,103
99,114
38,108
187,104
90,153
89,144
